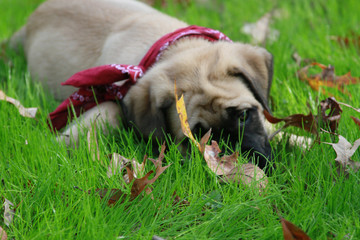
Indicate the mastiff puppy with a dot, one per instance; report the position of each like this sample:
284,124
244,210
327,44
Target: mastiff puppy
225,84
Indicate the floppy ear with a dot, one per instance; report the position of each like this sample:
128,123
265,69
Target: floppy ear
147,102
259,76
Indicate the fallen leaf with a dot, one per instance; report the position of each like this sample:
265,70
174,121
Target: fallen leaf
306,122
134,170
292,232
356,120
25,112
8,212
326,78
229,170
180,107
139,184
344,151
260,31
331,118
3,235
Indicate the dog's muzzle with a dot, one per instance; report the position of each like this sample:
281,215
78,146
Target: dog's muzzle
244,127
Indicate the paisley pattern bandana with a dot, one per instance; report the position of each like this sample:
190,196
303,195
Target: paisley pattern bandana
112,82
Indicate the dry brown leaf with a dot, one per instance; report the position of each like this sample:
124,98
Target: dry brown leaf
326,78
3,235
344,151
25,112
133,169
260,31
332,118
292,232
9,212
306,122
229,170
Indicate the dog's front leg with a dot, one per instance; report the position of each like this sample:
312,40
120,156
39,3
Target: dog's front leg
104,115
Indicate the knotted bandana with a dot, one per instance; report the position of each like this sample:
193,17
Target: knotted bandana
98,84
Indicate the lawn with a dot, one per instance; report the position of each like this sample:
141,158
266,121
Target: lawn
39,175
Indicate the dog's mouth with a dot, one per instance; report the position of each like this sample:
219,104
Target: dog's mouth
248,136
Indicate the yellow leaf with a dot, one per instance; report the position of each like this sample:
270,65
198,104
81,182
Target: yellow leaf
181,110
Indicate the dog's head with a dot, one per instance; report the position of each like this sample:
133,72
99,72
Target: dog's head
225,87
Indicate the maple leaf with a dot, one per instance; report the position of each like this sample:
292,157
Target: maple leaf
3,235
292,232
326,78
344,151
25,112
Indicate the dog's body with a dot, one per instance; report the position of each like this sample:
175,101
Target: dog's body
225,85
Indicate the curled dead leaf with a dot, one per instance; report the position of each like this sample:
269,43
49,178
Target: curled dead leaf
229,170
330,118
306,122
25,112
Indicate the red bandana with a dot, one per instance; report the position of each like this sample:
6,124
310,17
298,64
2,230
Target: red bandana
97,84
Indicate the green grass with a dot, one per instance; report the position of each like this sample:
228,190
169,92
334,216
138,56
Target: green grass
39,174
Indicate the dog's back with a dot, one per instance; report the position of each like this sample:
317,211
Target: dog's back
63,37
